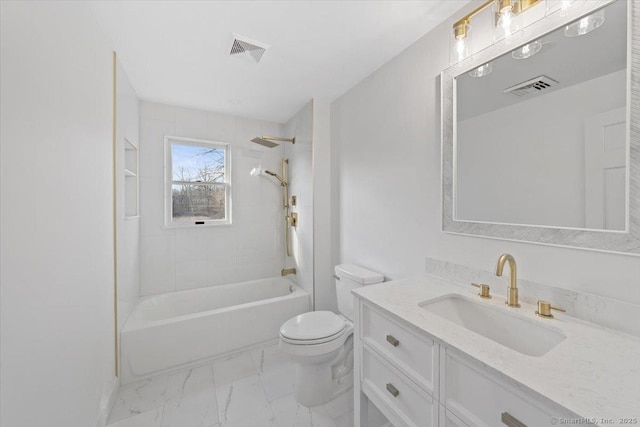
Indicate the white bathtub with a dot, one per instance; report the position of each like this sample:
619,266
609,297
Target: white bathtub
175,329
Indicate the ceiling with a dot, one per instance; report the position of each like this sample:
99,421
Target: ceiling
177,52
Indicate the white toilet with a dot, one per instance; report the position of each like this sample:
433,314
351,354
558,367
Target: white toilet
321,342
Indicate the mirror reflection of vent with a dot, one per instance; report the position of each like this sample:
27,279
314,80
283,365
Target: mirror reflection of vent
532,86
242,47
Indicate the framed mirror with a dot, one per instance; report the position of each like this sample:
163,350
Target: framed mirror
541,133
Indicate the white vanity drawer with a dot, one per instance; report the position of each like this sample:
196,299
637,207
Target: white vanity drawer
480,398
412,354
447,419
399,399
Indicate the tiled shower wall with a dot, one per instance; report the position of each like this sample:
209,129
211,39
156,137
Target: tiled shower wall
299,154
184,258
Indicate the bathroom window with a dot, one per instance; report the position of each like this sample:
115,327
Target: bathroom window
198,187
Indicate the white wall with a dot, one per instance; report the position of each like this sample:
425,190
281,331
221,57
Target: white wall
525,163
325,289
57,330
127,110
185,258
385,132
299,154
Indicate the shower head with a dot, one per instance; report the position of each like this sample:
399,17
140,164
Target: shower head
278,177
258,171
268,141
264,142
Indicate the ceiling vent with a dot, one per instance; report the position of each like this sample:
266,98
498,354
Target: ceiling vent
243,47
532,86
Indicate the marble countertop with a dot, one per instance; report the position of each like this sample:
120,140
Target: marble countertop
594,372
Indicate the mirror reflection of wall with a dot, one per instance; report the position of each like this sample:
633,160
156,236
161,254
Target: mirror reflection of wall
542,139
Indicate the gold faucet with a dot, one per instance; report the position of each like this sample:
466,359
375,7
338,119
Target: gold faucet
512,291
287,271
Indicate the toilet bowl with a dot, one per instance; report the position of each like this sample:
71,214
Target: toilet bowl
324,362
320,343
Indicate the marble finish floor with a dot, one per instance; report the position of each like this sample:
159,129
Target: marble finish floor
253,388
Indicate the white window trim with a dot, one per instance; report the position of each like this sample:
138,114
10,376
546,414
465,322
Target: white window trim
168,182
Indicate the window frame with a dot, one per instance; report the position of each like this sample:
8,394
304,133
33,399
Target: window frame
169,182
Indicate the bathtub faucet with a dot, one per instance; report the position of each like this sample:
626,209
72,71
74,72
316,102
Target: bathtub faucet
287,271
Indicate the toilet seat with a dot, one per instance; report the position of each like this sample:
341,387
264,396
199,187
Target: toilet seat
315,327
320,344
313,341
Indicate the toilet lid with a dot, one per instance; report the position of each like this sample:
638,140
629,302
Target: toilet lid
312,326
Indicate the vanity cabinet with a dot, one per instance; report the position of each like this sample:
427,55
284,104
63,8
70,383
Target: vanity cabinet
405,402
479,398
416,381
447,419
410,353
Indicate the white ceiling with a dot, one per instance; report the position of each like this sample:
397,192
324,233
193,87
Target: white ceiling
177,52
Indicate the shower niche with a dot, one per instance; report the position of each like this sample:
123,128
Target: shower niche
131,209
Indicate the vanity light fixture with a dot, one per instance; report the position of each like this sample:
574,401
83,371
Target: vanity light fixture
505,14
585,25
527,51
461,45
506,23
565,5
481,71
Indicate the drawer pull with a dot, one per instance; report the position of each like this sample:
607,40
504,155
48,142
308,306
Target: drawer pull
394,391
393,341
511,421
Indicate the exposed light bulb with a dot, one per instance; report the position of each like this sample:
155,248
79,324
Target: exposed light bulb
505,21
585,25
460,46
461,49
481,71
565,5
527,51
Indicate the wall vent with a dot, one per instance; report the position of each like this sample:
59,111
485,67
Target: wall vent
532,86
243,47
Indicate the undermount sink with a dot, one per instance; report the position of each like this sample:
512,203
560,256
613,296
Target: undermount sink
496,324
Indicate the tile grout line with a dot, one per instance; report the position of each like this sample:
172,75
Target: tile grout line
264,390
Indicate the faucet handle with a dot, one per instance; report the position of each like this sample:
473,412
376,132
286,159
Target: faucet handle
544,309
485,290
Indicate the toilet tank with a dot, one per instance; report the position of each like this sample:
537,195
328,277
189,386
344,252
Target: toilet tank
349,277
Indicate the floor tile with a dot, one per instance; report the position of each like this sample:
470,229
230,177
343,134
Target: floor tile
145,419
233,367
241,399
247,389
278,381
263,418
269,357
139,397
340,405
196,409
190,381
291,414
276,371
